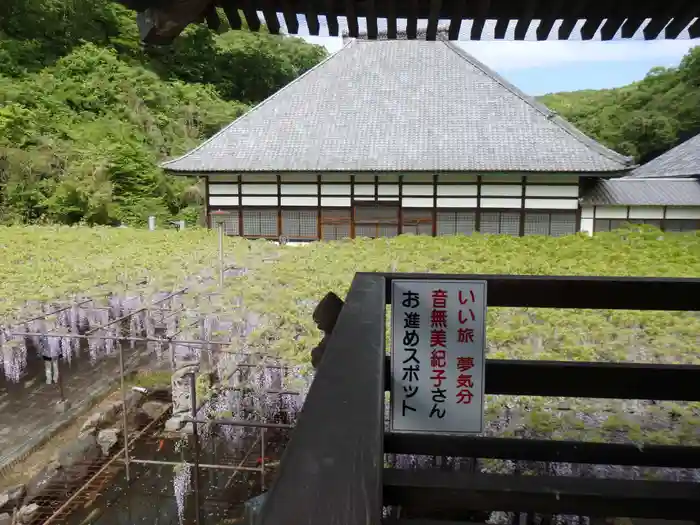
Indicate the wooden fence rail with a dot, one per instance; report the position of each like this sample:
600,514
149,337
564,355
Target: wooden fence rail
333,469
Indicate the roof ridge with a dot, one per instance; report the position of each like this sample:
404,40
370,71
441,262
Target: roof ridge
549,114
223,130
642,179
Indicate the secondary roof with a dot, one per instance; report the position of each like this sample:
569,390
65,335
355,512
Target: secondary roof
681,161
404,105
644,192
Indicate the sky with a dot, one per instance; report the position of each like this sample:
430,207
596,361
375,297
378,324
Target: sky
552,66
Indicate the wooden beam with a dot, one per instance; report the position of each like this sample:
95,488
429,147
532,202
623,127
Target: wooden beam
547,22
212,17
622,17
231,11
391,28
459,491
590,27
653,29
251,15
390,521
351,16
680,21
611,26
571,19
270,14
412,20
631,26
290,17
458,7
433,19
694,29
331,468
371,18
312,21
658,22
523,23
566,27
608,293
590,380
501,28
331,18
548,450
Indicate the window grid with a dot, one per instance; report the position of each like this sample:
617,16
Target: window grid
562,223
456,222
300,224
335,223
682,225
228,219
260,222
465,222
490,222
509,223
365,230
375,220
669,225
537,223
387,230
417,222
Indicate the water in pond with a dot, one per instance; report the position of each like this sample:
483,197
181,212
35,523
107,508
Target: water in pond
166,495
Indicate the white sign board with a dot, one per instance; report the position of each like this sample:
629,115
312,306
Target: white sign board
438,338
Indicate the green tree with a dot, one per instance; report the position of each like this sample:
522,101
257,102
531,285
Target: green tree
644,118
87,113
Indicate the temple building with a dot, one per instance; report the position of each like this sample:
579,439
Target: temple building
400,136
664,192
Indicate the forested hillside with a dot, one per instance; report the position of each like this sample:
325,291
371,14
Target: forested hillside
643,119
86,113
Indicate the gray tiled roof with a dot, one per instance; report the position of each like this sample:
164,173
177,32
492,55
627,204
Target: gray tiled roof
644,192
681,161
400,106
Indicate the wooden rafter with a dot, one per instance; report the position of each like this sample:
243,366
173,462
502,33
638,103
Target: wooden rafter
612,18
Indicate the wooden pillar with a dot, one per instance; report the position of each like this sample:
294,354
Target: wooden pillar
400,230
477,217
240,206
279,205
434,214
207,215
319,209
523,186
352,206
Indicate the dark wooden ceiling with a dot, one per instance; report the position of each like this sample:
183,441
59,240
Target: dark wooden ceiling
668,18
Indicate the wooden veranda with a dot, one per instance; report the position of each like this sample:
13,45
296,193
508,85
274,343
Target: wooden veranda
163,20
333,470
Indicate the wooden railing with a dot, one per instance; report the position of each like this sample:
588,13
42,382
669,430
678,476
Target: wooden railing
333,471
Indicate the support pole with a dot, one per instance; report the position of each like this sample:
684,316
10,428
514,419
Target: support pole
262,459
195,435
60,379
221,255
125,422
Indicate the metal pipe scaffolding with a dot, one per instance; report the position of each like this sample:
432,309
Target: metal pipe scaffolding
54,312
135,312
202,342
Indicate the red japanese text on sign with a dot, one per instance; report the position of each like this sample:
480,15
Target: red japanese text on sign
438,356
465,335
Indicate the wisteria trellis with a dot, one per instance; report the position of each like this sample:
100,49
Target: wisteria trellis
160,323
